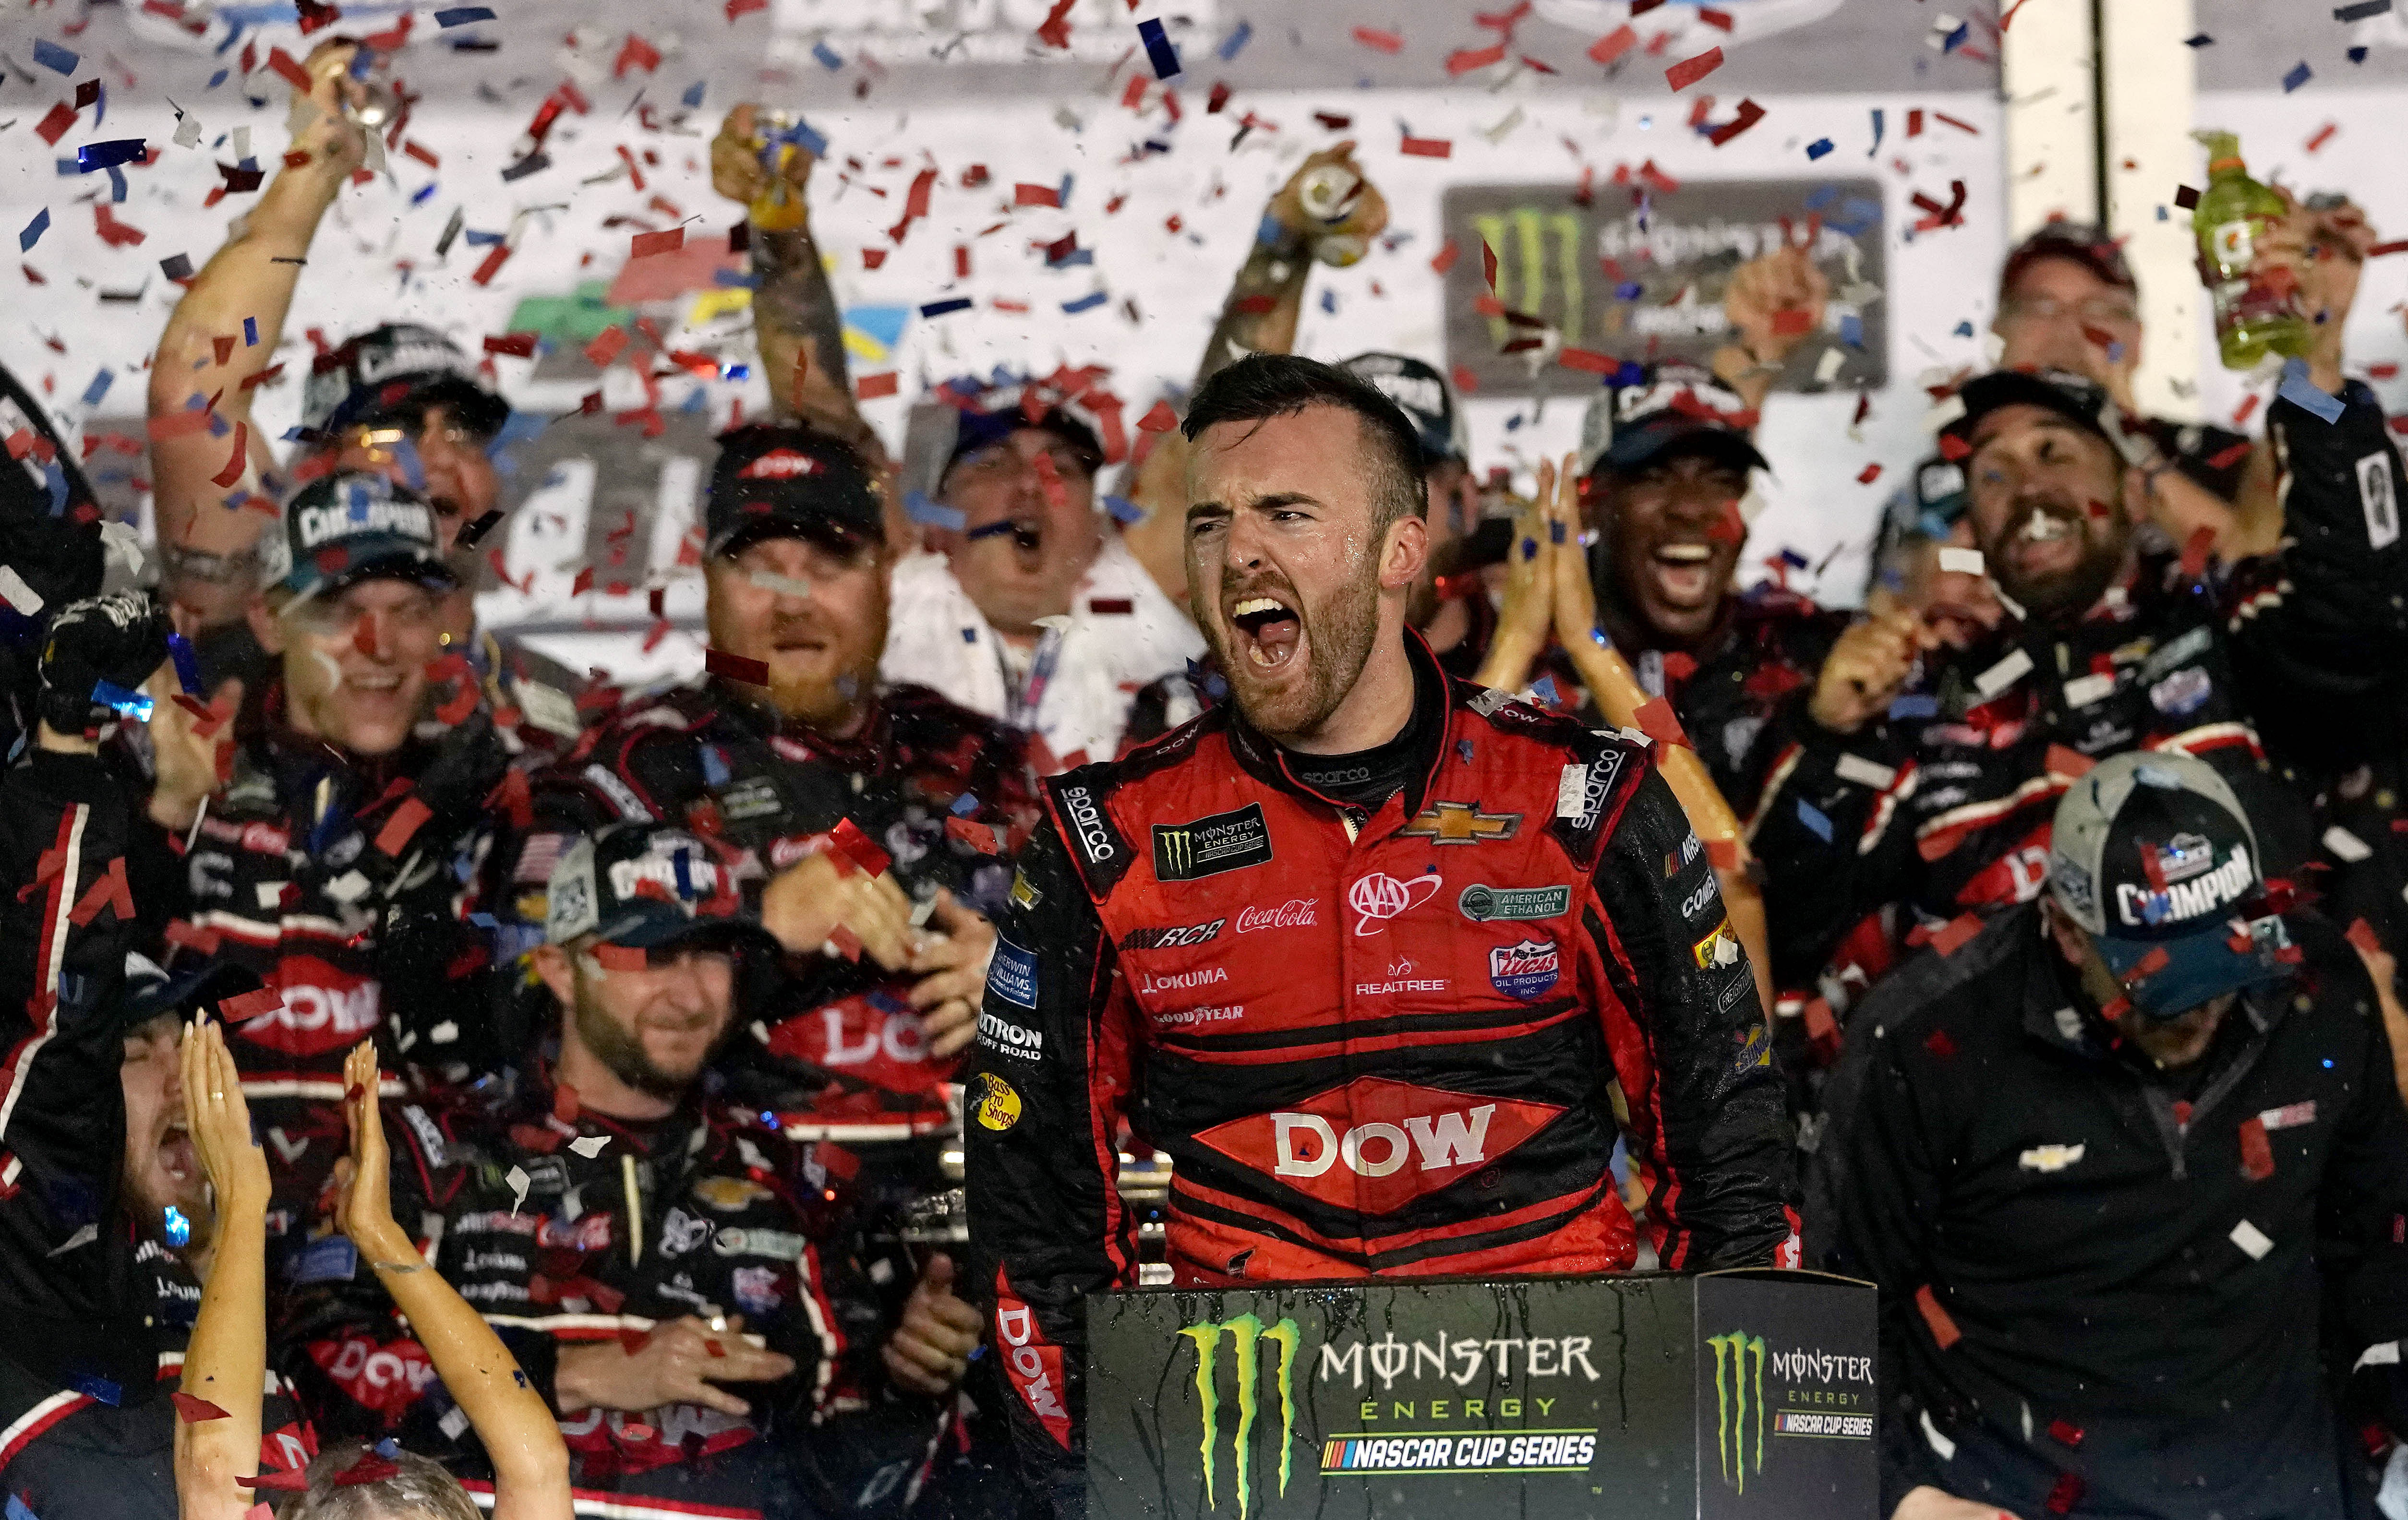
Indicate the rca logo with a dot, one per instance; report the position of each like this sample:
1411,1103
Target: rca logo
323,1008
1034,1363
1375,1146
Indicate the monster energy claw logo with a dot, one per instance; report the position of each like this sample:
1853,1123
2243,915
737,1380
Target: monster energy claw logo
1532,225
1733,1381
1245,1332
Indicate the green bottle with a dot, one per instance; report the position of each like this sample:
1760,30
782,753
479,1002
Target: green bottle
2258,312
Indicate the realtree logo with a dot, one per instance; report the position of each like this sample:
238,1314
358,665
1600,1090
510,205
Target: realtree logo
1246,1333
1738,1367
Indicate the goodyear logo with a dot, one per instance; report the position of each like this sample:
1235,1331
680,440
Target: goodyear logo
1246,1335
1738,1372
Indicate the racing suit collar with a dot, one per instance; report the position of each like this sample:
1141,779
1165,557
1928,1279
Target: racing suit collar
1433,713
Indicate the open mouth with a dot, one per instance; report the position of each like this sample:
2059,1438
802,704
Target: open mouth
1268,631
1025,536
1685,574
176,1157
2047,540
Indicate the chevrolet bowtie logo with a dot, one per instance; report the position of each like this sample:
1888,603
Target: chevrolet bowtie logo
1462,822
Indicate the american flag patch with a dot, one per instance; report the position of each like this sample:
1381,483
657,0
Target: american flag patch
542,852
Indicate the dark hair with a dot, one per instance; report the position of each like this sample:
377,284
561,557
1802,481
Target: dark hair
1261,386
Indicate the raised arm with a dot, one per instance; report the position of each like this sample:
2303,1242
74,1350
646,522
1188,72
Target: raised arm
1327,212
225,1365
510,1418
207,359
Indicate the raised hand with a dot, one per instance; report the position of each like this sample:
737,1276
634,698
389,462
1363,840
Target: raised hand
773,190
1776,302
806,903
930,1350
1330,201
219,1121
951,965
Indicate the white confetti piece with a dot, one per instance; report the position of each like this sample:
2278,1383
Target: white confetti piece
553,710
2252,1239
517,1180
782,585
2346,846
2004,674
1864,772
18,594
1961,561
591,1146
1571,787
1945,1447
2084,690
1948,411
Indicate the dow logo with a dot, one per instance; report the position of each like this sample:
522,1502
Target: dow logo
1739,1402
1247,1337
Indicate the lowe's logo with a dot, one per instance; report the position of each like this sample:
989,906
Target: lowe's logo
1739,1370
1246,1334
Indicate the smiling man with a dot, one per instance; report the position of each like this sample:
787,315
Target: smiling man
1363,949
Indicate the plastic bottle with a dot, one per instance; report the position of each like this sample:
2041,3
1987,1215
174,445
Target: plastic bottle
2257,310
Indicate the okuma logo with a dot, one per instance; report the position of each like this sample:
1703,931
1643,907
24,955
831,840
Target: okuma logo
1246,1335
1738,1369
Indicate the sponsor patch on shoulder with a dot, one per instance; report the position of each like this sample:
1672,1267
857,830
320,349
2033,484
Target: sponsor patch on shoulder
1224,841
1013,974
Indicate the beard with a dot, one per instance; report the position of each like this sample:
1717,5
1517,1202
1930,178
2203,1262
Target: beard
830,702
2072,589
621,1051
1337,644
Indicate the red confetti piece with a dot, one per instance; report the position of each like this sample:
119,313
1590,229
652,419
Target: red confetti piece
2381,248
2361,934
1588,361
1379,41
643,245
1690,70
54,126
848,840
1158,419
1489,264
2071,763
1465,380
1868,475
2065,1433
1722,855
2257,1154
405,822
1056,32
1943,1329
847,943
1952,936
1939,1045
494,258
1655,719
2195,552
517,345
293,74
235,461
1749,114
1028,195
369,1469
872,387
422,153
1444,259
2064,1493
2146,966
2324,135
1463,61
1428,147
619,957
277,1482
606,346
1612,46
632,1341
250,1005
1717,19
978,835
736,667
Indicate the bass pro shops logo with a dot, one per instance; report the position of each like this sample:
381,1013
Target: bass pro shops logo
1739,1370
1247,1336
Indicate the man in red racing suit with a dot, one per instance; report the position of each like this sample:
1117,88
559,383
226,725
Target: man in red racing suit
1382,958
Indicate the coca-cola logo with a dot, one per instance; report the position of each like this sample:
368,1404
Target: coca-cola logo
1295,914
1379,897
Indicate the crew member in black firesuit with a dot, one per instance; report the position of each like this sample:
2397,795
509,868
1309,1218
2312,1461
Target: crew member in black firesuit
1367,873
2108,1157
104,1228
324,819
621,1227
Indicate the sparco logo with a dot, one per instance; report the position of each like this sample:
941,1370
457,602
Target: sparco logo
1739,1370
1295,914
1089,825
1246,1333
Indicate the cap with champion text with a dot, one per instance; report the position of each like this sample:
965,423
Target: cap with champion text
781,481
392,373
2152,854
644,885
1667,406
2077,243
1421,392
348,527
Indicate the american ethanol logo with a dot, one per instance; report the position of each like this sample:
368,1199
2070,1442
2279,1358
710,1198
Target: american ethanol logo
1246,1335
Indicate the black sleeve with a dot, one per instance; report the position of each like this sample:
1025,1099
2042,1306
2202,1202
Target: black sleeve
1041,1119
1703,1100
2321,628
1805,817
2364,1193
1889,1196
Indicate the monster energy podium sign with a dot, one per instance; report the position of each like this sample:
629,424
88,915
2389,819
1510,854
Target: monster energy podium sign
1723,1397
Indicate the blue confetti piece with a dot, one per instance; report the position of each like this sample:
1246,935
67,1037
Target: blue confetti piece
1235,43
1329,300
485,921
1821,196
388,1448
481,239
1817,822
116,185
1544,690
17,1509
2357,55
2198,39
219,78
1270,231
1063,194
728,280
55,478
1556,532
802,135
1851,330
100,155
99,387
938,308
928,515
1159,50
1957,39
1795,560
693,96
684,872
519,427
178,1229
2303,392
2300,75
425,194
1877,132
463,15
1915,705
1963,329
1629,372
1629,290
964,806
250,332
1818,147
1085,303
188,665
2361,11
96,1387
33,230
969,636
1123,510
55,58
829,58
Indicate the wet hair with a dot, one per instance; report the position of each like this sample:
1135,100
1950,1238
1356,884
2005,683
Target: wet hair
1261,386
422,1490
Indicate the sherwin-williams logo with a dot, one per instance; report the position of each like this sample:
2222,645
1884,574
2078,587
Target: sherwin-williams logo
1246,1335
1739,1402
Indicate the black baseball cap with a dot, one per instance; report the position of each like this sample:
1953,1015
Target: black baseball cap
348,527
783,480
1666,407
392,373
2069,395
2077,241
152,990
976,428
2152,854
645,886
1421,392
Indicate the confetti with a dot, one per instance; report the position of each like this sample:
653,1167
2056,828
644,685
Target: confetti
463,15
2300,75
645,244
736,667
192,1411
1379,41
2305,394
1690,70
33,230
1159,50
1428,147
2358,12
518,1179
1953,935
52,56
591,1146
2252,1241
1236,41
1943,1329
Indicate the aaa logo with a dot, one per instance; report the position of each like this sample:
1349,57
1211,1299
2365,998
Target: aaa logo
1246,1335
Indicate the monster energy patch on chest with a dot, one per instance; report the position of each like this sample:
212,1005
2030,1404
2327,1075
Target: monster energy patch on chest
755,797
